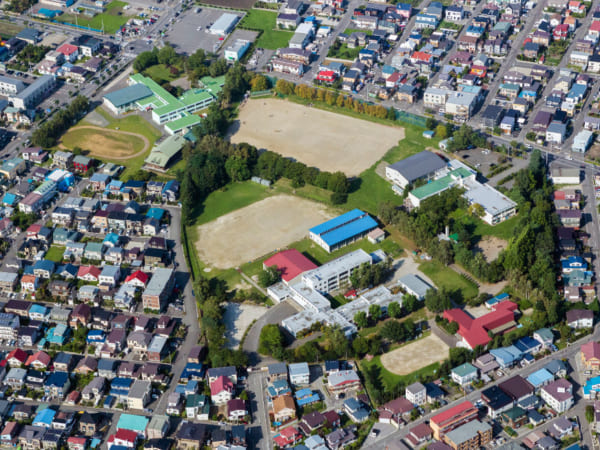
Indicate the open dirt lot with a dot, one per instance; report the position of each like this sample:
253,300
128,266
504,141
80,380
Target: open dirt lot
411,357
491,247
248,233
315,137
111,144
237,317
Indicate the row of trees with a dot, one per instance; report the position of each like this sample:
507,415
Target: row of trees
371,274
331,97
47,135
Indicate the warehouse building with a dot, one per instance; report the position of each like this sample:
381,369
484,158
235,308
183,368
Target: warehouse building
10,86
224,24
343,230
31,96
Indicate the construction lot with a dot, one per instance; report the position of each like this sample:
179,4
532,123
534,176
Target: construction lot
414,356
190,32
329,141
248,233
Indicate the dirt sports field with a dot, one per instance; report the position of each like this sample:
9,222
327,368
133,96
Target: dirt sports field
315,137
416,355
248,233
491,246
105,143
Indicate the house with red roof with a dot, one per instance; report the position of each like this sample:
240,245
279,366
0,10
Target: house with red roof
393,80
33,230
123,438
39,360
590,355
474,332
70,52
77,443
16,357
138,278
221,390
288,436
290,263
88,273
327,76
561,32
420,434
392,411
422,57
595,28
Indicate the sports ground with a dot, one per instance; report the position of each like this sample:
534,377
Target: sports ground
415,356
255,230
329,141
106,144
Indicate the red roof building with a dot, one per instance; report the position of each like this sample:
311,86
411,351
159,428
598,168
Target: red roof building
290,264
39,359
419,434
561,32
328,76
67,49
452,418
88,273
16,357
595,27
474,332
137,278
288,436
221,384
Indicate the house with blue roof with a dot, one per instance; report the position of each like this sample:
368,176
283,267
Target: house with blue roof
95,337
576,93
591,388
119,387
578,278
94,251
155,213
474,31
306,397
44,418
39,312
342,230
10,199
504,357
111,240
67,271
540,378
573,263
497,299
171,191
99,181
192,371
61,236
191,387
528,345
58,335
277,388
356,410
44,268
424,20
113,187
57,385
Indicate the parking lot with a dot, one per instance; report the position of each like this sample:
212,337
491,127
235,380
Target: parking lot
190,31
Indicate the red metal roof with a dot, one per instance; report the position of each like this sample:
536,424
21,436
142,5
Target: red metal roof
290,263
221,384
456,411
137,275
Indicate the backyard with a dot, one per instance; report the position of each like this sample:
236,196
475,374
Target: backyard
110,20
447,278
265,21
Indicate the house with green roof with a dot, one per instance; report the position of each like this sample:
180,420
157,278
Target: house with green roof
464,374
515,417
132,422
164,153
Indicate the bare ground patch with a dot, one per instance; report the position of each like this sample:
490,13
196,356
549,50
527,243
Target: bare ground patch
315,137
248,233
415,356
237,318
491,246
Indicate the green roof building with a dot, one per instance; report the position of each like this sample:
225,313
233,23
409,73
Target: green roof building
438,186
161,155
133,423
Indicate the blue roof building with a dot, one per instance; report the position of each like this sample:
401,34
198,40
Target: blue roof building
155,213
591,388
111,240
95,337
573,263
119,387
528,345
57,385
497,299
58,335
10,199
133,423
44,418
505,356
192,371
306,396
342,230
38,312
540,378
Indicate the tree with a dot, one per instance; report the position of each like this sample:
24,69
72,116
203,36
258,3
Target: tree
268,276
430,123
410,303
259,83
589,414
360,346
394,310
271,339
375,312
393,331
441,132
476,210
145,60
437,301
361,320
167,55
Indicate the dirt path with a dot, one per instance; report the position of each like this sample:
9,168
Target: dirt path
128,133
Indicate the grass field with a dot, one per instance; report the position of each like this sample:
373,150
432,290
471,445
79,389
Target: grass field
8,29
55,253
160,72
266,21
445,277
103,143
112,19
132,123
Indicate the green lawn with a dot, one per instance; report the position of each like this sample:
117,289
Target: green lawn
78,137
266,21
349,31
112,19
443,276
503,230
390,380
9,29
413,142
160,73
55,253
342,51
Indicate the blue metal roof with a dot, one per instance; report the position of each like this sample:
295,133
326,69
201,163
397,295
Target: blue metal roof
45,417
540,378
121,383
527,344
344,227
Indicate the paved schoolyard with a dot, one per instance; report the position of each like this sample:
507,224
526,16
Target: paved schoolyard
237,318
416,355
190,32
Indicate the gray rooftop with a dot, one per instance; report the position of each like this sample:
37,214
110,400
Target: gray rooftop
128,95
466,432
419,165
